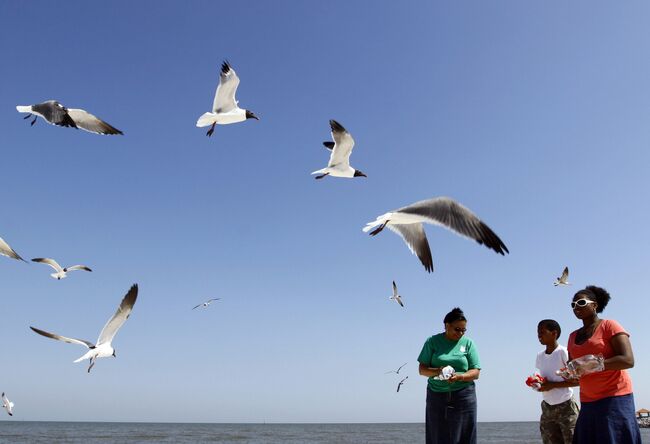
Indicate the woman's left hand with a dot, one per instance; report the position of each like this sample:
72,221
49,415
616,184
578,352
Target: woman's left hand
458,377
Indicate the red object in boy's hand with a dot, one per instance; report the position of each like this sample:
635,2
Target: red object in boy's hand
535,381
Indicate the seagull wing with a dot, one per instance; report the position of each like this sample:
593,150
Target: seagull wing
77,267
565,275
51,262
90,123
399,300
6,250
55,113
224,99
63,338
214,299
119,318
454,216
400,367
416,239
343,144
394,289
197,306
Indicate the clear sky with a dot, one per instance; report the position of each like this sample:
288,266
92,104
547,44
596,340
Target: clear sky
535,116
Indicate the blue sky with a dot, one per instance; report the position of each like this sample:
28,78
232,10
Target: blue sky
535,116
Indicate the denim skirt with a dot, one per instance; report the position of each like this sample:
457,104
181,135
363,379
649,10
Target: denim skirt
607,421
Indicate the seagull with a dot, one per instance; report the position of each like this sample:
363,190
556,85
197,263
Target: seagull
396,371
341,148
206,303
562,280
400,383
60,272
56,114
225,108
8,405
407,222
395,297
6,250
103,348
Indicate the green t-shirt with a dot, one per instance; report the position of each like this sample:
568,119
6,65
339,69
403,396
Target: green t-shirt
438,351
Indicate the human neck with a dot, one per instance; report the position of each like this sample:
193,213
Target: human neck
551,348
587,322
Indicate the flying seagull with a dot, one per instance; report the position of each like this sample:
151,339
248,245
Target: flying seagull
6,250
341,148
60,272
103,348
562,280
225,108
206,303
7,405
407,222
396,297
396,371
400,383
56,114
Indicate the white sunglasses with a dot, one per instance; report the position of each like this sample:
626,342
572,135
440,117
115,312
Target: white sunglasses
581,303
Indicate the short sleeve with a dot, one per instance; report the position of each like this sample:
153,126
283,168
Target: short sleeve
427,353
472,357
613,328
564,354
537,363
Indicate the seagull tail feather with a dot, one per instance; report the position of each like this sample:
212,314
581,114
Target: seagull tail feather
24,109
206,119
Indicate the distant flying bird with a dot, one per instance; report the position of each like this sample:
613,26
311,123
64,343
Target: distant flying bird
6,250
60,272
225,108
103,348
7,405
407,222
562,280
400,383
207,303
341,148
396,297
56,114
396,371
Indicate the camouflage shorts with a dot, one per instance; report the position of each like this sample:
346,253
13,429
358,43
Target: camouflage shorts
558,421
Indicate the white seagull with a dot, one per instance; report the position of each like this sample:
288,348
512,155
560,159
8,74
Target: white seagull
400,383
396,297
225,108
6,250
103,348
207,303
407,222
7,405
56,114
341,148
60,272
562,280
396,371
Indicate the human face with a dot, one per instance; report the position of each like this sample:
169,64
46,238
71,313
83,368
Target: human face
455,330
585,311
546,336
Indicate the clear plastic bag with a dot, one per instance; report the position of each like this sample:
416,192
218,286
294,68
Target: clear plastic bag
583,365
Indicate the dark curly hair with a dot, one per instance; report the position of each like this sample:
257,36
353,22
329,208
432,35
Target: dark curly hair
550,325
455,315
597,294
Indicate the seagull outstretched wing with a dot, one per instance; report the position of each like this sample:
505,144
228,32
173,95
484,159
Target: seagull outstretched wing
224,98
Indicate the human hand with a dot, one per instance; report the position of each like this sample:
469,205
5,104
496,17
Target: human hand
546,386
457,377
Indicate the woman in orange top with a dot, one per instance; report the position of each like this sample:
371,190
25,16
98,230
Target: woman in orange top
607,403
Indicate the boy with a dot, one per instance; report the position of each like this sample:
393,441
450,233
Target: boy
559,409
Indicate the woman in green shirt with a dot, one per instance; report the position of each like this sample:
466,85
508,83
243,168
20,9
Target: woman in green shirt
451,403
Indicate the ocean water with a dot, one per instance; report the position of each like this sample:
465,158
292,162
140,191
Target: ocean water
106,432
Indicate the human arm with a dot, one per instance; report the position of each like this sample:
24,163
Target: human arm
469,375
428,371
550,385
623,357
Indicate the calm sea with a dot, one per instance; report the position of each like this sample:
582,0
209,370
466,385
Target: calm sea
105,432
